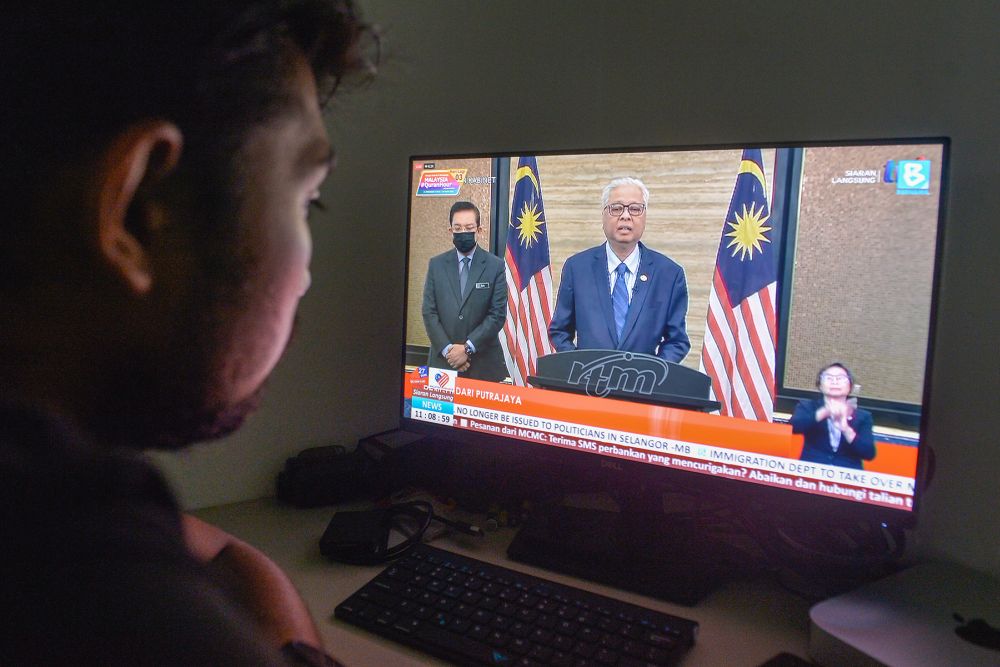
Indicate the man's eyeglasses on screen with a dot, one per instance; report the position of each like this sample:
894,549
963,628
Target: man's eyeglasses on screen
616,210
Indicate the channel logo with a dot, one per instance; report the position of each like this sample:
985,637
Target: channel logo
912,177
442,380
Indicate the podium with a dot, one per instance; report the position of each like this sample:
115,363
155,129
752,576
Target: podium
629,376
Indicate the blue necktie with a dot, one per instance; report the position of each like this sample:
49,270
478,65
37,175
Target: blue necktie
463,275
619,299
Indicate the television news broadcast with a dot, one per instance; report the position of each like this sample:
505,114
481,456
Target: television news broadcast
795,282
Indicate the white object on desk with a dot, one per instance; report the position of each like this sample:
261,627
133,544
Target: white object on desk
907,619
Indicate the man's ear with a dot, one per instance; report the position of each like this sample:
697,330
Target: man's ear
135,161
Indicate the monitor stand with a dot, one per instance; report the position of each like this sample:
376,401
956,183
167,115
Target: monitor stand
636,549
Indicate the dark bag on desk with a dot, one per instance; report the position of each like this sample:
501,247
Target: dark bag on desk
331,475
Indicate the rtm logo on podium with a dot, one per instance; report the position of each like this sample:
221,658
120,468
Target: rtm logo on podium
623,371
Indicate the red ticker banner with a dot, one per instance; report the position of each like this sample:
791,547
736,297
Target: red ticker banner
758,452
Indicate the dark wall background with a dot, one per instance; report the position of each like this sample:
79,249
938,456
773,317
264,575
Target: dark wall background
476,76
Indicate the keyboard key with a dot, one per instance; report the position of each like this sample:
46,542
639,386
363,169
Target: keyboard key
459,625
498,638
566,627
379,597
608,624
501,622
606,657
406,626
519,646
660,640
542,653
547,606
560,659
634,649
525,615
508,609
540,636
470,597
446,603
456,578
386,618
481,616
544,621
563,643
463,610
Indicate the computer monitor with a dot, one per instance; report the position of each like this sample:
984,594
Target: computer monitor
771,341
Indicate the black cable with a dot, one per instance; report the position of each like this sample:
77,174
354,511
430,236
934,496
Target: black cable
423,511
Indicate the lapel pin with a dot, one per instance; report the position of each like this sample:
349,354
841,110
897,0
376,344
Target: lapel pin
643,277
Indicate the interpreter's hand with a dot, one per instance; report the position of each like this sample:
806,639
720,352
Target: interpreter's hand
840,412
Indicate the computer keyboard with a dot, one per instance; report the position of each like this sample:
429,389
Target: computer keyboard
470,612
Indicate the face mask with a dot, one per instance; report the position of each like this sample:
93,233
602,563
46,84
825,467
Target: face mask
464,241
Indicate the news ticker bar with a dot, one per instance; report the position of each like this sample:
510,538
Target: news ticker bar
833,481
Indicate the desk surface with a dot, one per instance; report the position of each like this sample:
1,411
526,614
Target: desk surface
743,623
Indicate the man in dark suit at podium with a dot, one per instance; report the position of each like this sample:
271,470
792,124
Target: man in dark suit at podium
465,302
622,295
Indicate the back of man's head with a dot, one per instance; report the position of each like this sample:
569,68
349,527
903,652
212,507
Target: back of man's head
76,74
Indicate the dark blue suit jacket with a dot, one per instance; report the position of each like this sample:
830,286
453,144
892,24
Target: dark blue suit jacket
816,447
656,314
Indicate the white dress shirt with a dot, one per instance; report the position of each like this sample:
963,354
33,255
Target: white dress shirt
631,262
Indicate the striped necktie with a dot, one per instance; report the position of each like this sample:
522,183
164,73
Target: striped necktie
463,275
619,299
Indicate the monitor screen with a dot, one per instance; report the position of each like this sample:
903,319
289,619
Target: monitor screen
758,315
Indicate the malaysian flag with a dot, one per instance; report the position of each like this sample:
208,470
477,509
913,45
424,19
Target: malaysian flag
525,334
741,332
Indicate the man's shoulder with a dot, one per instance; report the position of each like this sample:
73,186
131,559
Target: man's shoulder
587,255
444,257
659,259
490,258
94,546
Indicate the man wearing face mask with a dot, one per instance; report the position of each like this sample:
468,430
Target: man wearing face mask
465,302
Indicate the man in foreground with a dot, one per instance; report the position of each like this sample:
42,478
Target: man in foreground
159,162
622,295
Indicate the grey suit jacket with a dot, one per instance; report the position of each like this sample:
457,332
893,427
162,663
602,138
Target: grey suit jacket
477,316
